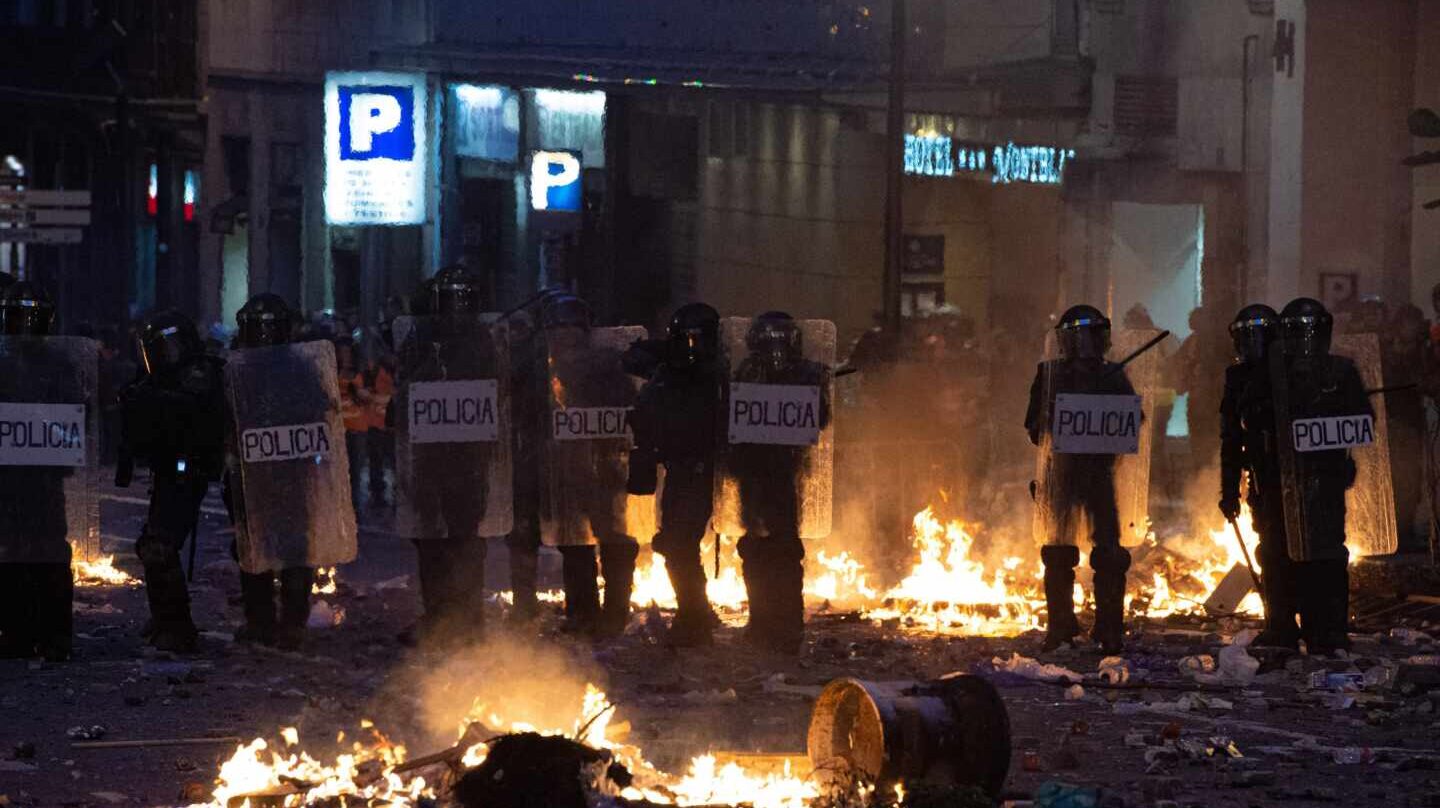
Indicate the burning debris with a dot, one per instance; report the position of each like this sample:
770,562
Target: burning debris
100,571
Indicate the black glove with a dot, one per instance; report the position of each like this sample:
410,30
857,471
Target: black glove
643,473
1230,507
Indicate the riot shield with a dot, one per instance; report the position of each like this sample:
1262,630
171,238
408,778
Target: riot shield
1132,471
774,471
586,442
1370,504
49,447
452,428
293,508
1087,423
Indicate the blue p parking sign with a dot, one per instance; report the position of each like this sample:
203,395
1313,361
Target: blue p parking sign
377,121
376,165
555,181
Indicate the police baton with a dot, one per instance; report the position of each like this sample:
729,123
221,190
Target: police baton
1245,551
1159,338
1395,388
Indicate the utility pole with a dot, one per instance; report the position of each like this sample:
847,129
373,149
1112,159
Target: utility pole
894,167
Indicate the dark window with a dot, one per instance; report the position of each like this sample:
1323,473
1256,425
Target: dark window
1146,106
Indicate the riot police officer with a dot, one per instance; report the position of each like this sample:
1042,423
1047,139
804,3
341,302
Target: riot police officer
447,486
676,422
174,422
36,589
585,497
769,477
267,320
1075,483
1248,443
1307,381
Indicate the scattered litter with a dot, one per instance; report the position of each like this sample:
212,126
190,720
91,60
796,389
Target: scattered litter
1352,755
323,615
1114,670
112,797
1345,681
1055,794
1074,693
17,767
777,684
1190,702
1236,667
398,582
710,697
91,733
1033,669
1201,663
1410,636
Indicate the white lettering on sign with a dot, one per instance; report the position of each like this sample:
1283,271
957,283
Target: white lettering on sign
268,444
1342,432
455,412
589,423
775,414
1095,424
42,434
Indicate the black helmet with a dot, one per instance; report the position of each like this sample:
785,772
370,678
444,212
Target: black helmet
265,320
1083,333
168,340
775,337
1252,330
1306,326
454,290
693,335
25,309
566,310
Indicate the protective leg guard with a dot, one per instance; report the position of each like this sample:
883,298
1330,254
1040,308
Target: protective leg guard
1281,605
1110,562
617,563
755,569
54,612
787,635
169,596
257,596
1330,589
694,620
1061,627
524,573
295,585
580,571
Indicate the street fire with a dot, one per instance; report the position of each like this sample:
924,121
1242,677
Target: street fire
374,772
101,571
951,589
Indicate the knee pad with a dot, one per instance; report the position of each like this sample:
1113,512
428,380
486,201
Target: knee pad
154,550
1060,555
620,551
1110,558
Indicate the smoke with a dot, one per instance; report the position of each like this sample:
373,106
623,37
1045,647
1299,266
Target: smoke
505,680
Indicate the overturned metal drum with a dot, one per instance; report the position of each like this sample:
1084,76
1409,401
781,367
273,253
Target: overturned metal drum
953,731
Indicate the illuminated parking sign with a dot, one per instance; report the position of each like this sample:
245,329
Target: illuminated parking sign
375,152
555,181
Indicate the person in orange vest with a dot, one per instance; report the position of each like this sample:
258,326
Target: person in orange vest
355,407
379,380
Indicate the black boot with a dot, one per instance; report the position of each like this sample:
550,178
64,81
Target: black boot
1330,591
1061,626
1281,608
1110,563
295,586
694,620
464,609
580,573
617,563
524,573
257,596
